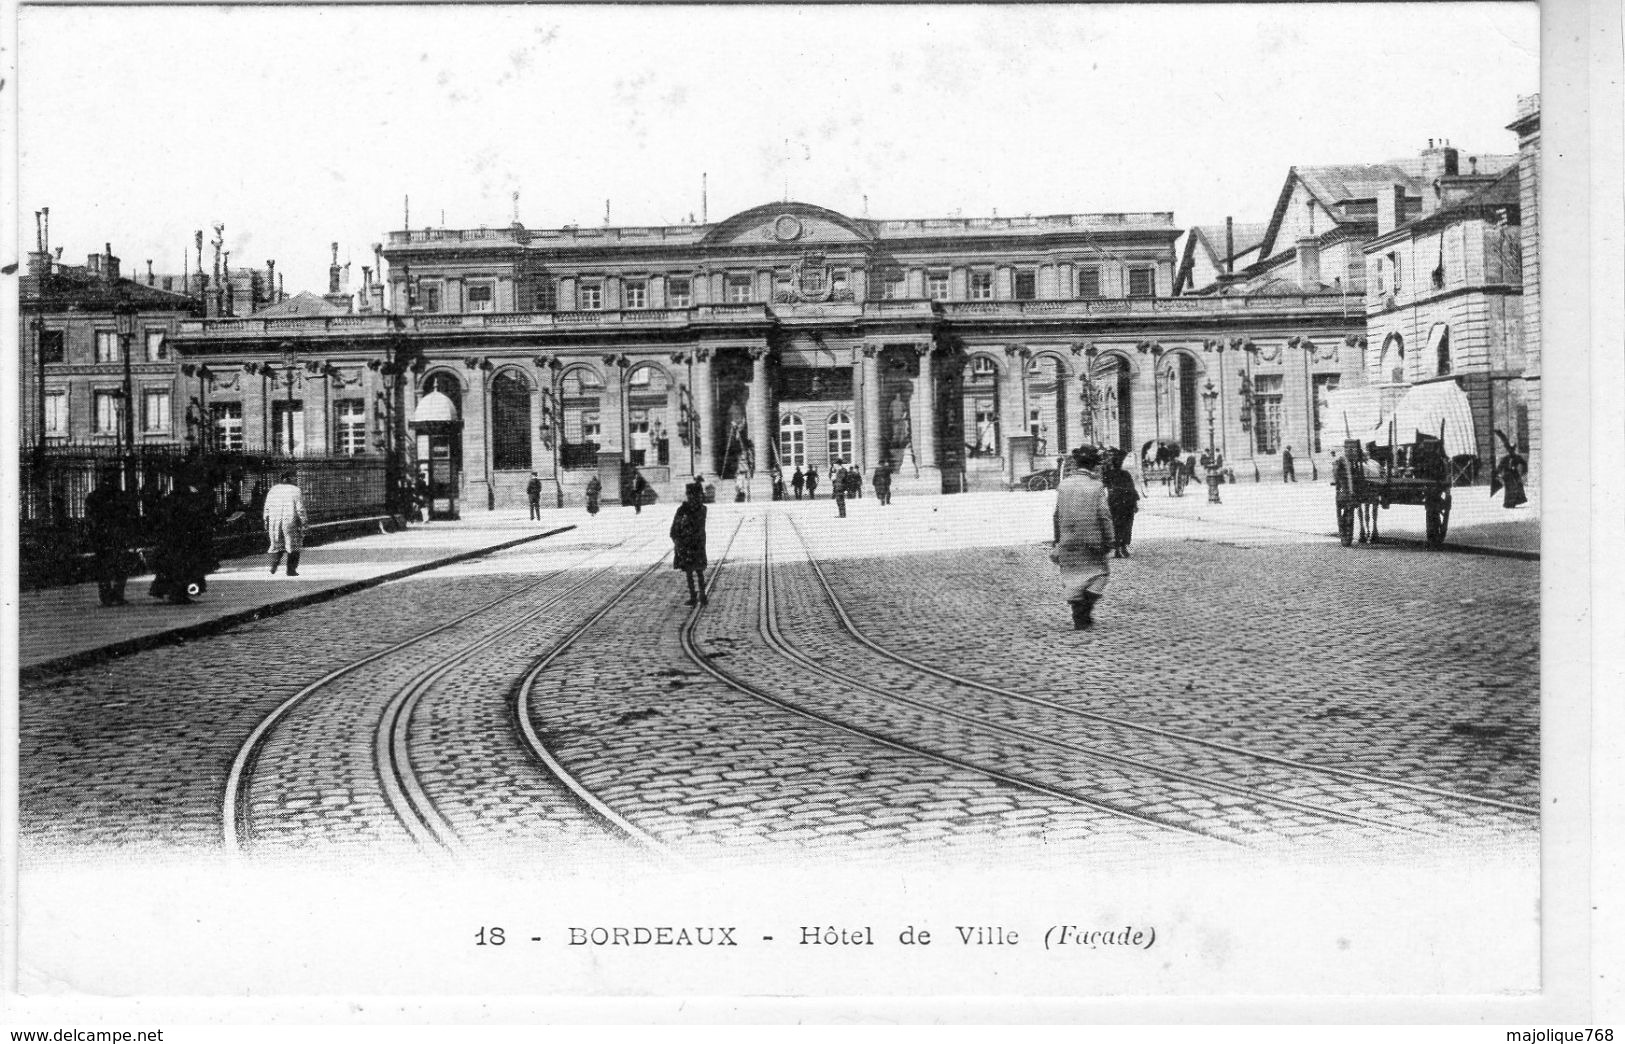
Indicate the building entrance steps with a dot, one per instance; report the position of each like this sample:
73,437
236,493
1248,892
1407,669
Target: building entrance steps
65,627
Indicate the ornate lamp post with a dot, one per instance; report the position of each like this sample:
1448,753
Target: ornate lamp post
1210,399
553,419
124,316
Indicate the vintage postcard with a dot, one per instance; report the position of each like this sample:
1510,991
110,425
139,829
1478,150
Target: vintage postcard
941,513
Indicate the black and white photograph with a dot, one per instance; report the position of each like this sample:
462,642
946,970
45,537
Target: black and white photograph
860,513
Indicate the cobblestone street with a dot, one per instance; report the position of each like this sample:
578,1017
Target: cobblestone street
901,682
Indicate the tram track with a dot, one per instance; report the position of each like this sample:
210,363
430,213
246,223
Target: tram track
1259,760
402,789
767,630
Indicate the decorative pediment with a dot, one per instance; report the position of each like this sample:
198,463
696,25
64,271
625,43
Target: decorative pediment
798,226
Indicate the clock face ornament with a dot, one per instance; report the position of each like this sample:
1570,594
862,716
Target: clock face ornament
787,228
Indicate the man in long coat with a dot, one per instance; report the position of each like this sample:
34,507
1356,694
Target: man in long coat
882,483
110,520
285,522
1124,500
1083,536
688,542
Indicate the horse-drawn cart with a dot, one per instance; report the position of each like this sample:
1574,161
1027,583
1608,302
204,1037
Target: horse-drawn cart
1418,474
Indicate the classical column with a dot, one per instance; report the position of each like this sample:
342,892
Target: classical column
704,427
924,425
869,366
761,485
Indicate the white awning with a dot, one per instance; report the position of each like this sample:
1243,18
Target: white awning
434,407
1353,413
1432,408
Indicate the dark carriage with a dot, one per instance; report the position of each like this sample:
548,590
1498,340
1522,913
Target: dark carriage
1164,461
1372,477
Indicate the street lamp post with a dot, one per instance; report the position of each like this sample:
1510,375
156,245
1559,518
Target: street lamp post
553,419
1210,398
124,316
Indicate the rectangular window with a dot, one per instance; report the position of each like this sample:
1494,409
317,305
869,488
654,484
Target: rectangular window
637,293
936,286
1142,282
1325,384
679,293
106,346
351,415
547,296
428,296
56,413
1393,266
981,286
739,289
155,410
481,297
227,421
590,297
1089,281
52,346
109,416
157,346
1026,284
894,286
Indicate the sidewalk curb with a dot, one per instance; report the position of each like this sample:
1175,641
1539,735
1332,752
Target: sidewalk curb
205,628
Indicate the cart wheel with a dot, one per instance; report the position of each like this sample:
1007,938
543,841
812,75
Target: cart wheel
1345,521
1037,483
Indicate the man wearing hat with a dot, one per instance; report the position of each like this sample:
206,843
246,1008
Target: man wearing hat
1083,536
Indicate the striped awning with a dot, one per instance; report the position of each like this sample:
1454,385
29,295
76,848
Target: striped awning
1436,407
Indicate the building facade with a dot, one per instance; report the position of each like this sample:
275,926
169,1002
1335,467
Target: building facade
961,353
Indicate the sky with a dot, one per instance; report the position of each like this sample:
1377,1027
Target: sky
299,126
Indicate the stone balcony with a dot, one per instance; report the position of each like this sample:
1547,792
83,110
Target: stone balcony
369,327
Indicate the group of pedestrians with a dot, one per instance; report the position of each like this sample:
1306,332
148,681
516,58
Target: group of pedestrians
181,526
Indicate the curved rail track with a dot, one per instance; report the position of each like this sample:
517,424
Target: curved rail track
398,780
1263,757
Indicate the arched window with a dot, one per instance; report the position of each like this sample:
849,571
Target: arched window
839,436
792,441
1391,365
510,422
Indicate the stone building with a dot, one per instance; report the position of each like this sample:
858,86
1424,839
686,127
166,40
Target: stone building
92,341
960,352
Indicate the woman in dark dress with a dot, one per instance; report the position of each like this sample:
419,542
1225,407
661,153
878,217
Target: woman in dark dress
688,543
1123,500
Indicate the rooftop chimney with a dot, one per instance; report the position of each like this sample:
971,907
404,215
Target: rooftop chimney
270,282
1229,246
1390,209
151,279
333,272
1309,264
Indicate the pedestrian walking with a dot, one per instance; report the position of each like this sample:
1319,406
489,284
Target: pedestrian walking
595,490
882,483
1083,534
854,483
285,521
812,483
838,487
688,543
420,497
1124,501
778,485
1288,474
533,492
639,487
111,524
798,482
1509,474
